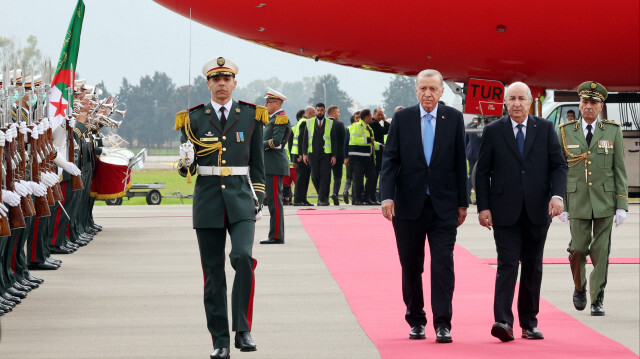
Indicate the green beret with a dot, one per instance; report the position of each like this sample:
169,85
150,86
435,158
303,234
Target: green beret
591,90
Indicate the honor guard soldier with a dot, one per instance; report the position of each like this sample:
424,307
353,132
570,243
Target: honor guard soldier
276,162
596,192
222,143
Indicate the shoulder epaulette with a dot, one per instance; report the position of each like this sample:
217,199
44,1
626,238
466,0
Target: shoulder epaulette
611,122
262,114
567,123
249,104
183,116
282,119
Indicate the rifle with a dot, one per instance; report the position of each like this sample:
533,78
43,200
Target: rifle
42,203
5,229
57,191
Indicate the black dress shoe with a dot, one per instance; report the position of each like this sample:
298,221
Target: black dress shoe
597,309
54,261
97,227
34,279
5,308
27,283
334,198
69,248
580,298
7,303
359,203
16,293
299,204
244,342
220,353
272,241
443,335
71,245
532,333
323,203
307,203
42,266
85,237
91,231
417,332
59,250
19,286
345,197
11,298
502,331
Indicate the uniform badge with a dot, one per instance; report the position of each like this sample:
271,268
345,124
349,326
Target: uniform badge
573,146
593,85
220,61
237,110
208,111
208,134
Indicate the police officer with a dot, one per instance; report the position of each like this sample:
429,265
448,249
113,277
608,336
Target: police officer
276,162
596,192
222,142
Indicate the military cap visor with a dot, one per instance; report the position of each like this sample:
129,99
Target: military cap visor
591,90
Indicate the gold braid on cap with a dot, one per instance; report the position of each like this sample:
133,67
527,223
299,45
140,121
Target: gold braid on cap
573,160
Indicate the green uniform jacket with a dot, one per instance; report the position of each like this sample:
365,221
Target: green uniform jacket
596,179
276,136
216,198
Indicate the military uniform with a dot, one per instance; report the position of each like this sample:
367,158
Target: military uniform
596,188
276,164
229,160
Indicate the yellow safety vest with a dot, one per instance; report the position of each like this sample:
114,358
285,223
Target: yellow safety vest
311,125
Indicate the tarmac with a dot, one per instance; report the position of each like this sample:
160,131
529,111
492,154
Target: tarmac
136,292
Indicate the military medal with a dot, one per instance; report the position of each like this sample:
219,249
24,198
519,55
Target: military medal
240,136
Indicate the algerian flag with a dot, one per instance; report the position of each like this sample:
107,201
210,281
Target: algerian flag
65,72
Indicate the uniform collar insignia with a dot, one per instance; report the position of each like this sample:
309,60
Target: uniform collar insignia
208,111
237,110
208,134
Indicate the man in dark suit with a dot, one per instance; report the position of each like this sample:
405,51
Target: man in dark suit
521,177
380,128
423,185
319,151
338,128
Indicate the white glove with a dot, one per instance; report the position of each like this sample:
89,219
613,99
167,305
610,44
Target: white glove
8,136
4,209
259,215
40,128
72,122
71,169
186,153
26,185
3,213
10,198
2,139
34,133
46,180
45,123
14,130
21,190
621,215
23,128
564,217
54,178
38,189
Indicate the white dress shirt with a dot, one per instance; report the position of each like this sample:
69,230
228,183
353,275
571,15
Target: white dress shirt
584,127
514,125
227,107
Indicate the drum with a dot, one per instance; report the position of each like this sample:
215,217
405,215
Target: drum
112,178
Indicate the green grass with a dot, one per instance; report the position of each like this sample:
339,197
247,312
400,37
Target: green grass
157,151
173,182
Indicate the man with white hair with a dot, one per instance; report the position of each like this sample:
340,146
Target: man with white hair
520,181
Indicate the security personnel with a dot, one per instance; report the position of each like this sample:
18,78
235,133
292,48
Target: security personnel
276,162
303,171
596,192
320,152
222,142
361,149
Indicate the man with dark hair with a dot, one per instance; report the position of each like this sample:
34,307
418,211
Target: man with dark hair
320,151
571,115
360,146
303,171
338,127
349,175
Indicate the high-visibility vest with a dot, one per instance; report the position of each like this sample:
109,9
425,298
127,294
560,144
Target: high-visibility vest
360,140
296,131
311,125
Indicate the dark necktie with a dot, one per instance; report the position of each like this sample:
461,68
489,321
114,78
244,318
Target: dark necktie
589,135
223,118
520,139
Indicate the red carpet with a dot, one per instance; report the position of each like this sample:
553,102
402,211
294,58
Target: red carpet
364,262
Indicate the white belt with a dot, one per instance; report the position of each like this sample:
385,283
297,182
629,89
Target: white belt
223,171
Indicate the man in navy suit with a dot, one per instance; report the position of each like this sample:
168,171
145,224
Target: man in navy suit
423,184
521,177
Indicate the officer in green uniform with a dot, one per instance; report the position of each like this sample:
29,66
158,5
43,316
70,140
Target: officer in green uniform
596,192
276,162
222,142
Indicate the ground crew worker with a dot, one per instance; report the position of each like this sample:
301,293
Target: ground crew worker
361,149
222,142
596,192
276,162
303,170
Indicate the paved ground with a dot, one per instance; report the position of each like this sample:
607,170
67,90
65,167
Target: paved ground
136,292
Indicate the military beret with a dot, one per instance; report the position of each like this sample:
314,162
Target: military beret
591,90
271,93
219,66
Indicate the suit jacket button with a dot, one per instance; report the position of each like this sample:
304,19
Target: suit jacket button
589,173
223,186
590,184
522,171
224,149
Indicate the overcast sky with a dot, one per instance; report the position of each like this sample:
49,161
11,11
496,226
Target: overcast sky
133,38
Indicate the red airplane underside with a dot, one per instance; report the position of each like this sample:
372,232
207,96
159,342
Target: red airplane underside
547,44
